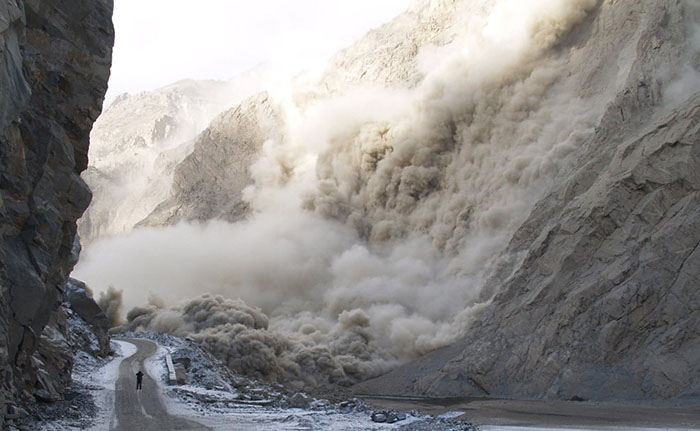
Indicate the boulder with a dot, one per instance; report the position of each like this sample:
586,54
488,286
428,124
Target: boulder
380,417
180,374
387,416
299,401
185,361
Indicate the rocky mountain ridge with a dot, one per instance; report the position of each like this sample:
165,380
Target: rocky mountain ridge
151,133
209,182
139,140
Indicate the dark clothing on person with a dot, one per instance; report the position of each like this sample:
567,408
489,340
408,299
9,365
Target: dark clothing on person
139,380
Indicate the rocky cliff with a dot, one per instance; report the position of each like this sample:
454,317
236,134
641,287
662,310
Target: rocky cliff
55,59
604,303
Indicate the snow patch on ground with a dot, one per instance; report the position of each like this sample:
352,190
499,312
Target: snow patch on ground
109,374
91,403
221,400
450,415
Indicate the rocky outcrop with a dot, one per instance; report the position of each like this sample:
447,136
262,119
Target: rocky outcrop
604,304
389,54
135,145
54,65
95,339
78,325
139,140
209,183
596,297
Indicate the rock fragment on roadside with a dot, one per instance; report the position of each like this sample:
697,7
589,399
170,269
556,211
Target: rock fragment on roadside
387,416
299,401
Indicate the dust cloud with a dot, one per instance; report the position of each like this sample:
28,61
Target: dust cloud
376,220
111,303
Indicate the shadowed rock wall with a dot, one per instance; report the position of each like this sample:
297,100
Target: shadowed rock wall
54,65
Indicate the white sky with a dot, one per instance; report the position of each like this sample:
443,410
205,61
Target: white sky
163,41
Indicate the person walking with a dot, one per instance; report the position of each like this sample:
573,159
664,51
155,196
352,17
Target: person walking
139,380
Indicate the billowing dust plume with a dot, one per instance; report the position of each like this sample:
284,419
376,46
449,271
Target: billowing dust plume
377,218
110,301
241,336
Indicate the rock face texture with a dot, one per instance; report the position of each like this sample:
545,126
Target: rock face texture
54,65
208,184
604,304
605,301
388,54
598,296
139,140
135,145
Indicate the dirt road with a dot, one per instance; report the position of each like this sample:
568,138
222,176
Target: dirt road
143,410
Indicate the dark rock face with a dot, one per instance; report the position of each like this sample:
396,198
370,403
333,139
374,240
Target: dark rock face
54,65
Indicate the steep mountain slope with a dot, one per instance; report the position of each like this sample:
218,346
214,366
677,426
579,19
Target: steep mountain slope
604,304
209,182
487,177
135,144
54,65
599,299
389,54
139,139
